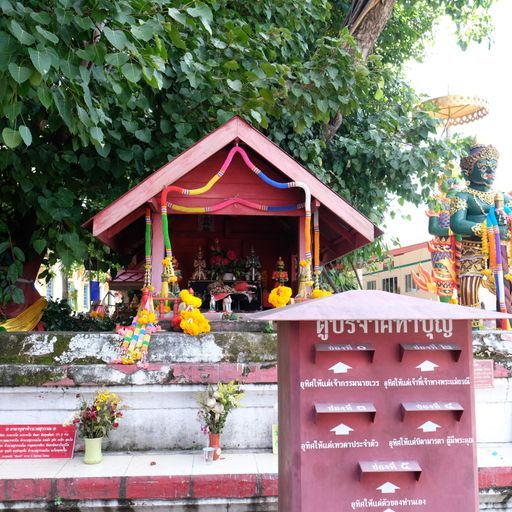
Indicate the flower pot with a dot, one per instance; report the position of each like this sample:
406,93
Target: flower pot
93,453
214,442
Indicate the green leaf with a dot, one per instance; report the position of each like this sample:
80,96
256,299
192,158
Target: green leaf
96,134
178,16
47,35
41,60
117,59
204,13
143,135
8,49
18,297
18,254
19,73
379,94
26,135
45,96
41,17
12,138
39,245
223,116
132,72
268,69
176,37
236,85
256,115
116,38
21,34
143,32
231,64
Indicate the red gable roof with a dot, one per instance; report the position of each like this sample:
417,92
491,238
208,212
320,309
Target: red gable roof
341,216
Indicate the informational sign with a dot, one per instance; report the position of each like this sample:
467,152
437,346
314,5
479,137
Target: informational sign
37,441
376,413
483,373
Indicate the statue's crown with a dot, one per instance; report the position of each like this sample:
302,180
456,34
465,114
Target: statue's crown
478,152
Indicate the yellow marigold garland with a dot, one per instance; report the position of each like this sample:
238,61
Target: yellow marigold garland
280,296
317,293
192,322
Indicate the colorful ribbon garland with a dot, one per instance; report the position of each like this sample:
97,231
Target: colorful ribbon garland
168,269
495,256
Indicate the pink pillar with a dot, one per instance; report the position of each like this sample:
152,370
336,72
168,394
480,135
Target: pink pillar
157,252
302,238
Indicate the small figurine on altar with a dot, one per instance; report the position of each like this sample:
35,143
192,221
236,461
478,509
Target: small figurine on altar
226,304
174,287
280,275
199,267
253,266
212,303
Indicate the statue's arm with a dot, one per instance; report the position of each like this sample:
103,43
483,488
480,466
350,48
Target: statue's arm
459,222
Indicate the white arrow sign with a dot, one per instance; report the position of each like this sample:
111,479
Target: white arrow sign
342,430
340,368
429,426
388,488
389,510
427,366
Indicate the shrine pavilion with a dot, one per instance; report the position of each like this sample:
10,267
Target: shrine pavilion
262,208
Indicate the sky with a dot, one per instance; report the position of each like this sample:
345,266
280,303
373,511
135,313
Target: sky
479,71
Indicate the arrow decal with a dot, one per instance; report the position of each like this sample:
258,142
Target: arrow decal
429,426
342,430
427,366
388,488
340,368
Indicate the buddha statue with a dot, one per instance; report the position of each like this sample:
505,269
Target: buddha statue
469,214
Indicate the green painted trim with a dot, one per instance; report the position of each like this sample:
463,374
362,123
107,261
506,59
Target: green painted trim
396,268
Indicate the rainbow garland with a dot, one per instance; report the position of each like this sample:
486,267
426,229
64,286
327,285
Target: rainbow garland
135,344
493,246
168,269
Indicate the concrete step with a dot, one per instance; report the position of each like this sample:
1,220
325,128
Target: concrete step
239,481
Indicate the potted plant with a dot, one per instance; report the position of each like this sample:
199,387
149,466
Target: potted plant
95,420
216,403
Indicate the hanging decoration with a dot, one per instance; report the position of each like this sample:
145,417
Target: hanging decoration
491,232
168,269
135,344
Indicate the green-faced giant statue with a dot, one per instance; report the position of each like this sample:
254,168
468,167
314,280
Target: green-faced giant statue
472,211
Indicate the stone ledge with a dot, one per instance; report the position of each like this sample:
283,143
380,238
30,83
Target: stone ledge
71,375
50,348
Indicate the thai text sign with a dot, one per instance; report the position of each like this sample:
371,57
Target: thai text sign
37,441
374,413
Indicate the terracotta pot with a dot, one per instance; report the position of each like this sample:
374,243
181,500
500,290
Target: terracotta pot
214,442
93,453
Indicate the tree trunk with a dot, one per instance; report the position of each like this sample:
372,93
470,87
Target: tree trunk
26,283
368,26
366,21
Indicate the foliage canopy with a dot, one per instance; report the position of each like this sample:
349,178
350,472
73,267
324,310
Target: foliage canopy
96,94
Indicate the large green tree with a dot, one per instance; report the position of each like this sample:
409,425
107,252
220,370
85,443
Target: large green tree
96,94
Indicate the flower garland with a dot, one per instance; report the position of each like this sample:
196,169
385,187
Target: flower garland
192,321
280,296
318,293
136,337
491,245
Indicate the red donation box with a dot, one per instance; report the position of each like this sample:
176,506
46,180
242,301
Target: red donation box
376,407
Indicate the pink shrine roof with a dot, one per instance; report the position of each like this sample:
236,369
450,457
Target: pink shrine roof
375,305
343,228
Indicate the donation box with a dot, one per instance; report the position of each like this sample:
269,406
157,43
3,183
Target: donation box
376,408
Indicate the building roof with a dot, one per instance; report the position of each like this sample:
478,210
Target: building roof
408,248
346,228
375,305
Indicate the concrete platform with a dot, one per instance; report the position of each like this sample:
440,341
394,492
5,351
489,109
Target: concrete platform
239,481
